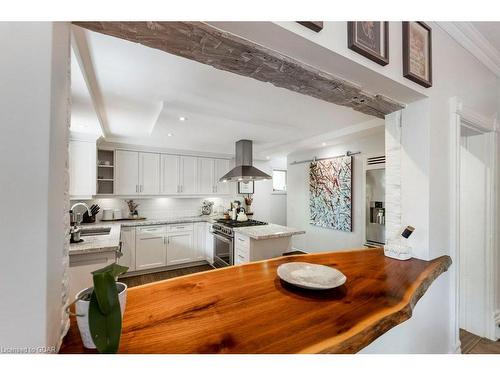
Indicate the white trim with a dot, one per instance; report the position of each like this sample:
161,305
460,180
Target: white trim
473,41
83,56
459,115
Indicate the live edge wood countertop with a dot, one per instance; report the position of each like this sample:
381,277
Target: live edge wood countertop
247,309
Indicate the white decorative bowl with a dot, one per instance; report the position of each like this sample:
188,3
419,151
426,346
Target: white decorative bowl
311,276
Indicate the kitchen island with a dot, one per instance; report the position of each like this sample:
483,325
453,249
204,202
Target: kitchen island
247,309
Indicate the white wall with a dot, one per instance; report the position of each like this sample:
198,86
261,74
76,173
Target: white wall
34,121
317,238
269,206
425,140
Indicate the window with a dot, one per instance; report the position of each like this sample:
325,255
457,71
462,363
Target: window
279,180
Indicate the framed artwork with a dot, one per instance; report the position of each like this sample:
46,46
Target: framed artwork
370,39
246,187
313,25
417,53
330,193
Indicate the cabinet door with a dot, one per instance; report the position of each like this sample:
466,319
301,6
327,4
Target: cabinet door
170,174
179,248
149,173
200,241
206,176
127,172
127,238
209,243
150,249
82,168
222,166
189,175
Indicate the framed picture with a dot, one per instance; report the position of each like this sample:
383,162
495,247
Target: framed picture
245,187
417,53
312,25
370,39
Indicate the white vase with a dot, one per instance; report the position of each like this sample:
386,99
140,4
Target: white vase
82,312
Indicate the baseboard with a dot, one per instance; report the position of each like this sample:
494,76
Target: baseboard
167,268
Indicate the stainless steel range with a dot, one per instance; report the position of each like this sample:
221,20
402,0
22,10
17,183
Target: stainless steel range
224,239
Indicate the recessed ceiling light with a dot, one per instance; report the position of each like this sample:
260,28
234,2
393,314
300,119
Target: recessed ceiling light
169,134
182,118
268,157
323,144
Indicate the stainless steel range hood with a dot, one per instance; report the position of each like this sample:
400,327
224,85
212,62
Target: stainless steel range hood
244,170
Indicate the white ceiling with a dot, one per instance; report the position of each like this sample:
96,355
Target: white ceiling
83,117
145,91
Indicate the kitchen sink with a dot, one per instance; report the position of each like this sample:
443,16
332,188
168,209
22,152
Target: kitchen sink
95,231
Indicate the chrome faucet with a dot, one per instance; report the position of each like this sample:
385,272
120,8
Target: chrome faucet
77,218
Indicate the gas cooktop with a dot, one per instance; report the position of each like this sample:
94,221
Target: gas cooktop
237,224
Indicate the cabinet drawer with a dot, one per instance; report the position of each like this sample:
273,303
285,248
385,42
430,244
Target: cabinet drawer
242,241
150,231
181,227
240,257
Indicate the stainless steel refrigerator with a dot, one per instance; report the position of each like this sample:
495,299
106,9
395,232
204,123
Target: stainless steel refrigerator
375,202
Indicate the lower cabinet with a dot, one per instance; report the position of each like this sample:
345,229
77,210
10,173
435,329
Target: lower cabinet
150,247
127,239
179,248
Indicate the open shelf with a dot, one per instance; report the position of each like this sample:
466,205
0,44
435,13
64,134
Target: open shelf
105,171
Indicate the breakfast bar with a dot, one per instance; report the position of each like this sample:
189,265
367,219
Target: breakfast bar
248,309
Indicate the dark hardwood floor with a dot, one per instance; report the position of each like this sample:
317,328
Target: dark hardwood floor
472,344
132,281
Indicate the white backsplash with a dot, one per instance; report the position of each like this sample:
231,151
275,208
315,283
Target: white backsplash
161,207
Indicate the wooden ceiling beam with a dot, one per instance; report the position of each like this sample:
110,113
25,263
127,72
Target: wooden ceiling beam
225,51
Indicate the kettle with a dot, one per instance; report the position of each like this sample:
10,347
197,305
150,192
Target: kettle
242,216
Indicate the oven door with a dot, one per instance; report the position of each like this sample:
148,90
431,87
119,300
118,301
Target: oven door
223,250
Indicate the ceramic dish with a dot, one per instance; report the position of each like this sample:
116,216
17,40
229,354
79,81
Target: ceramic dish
311,276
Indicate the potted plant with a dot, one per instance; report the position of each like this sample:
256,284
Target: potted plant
99,310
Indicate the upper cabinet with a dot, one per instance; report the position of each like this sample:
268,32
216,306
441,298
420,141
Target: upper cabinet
206,183
222,166
188,175
82,168
145,173
137,173
149,173
170,170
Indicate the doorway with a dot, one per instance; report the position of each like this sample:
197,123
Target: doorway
473,214
474,207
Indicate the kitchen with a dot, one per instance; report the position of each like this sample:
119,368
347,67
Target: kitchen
200,190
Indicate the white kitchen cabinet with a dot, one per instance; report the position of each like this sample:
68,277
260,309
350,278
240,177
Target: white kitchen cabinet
127,239
150,247
81,267
137,173
82,168
149,173
170,165
180,248
199,241
209,243
222,166
188,175
206,171
126,172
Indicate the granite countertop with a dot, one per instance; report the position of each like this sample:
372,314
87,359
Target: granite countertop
100,243
264,232
111,241
174,220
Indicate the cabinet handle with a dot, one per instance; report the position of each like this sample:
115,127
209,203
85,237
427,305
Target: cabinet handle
142,188
241,239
